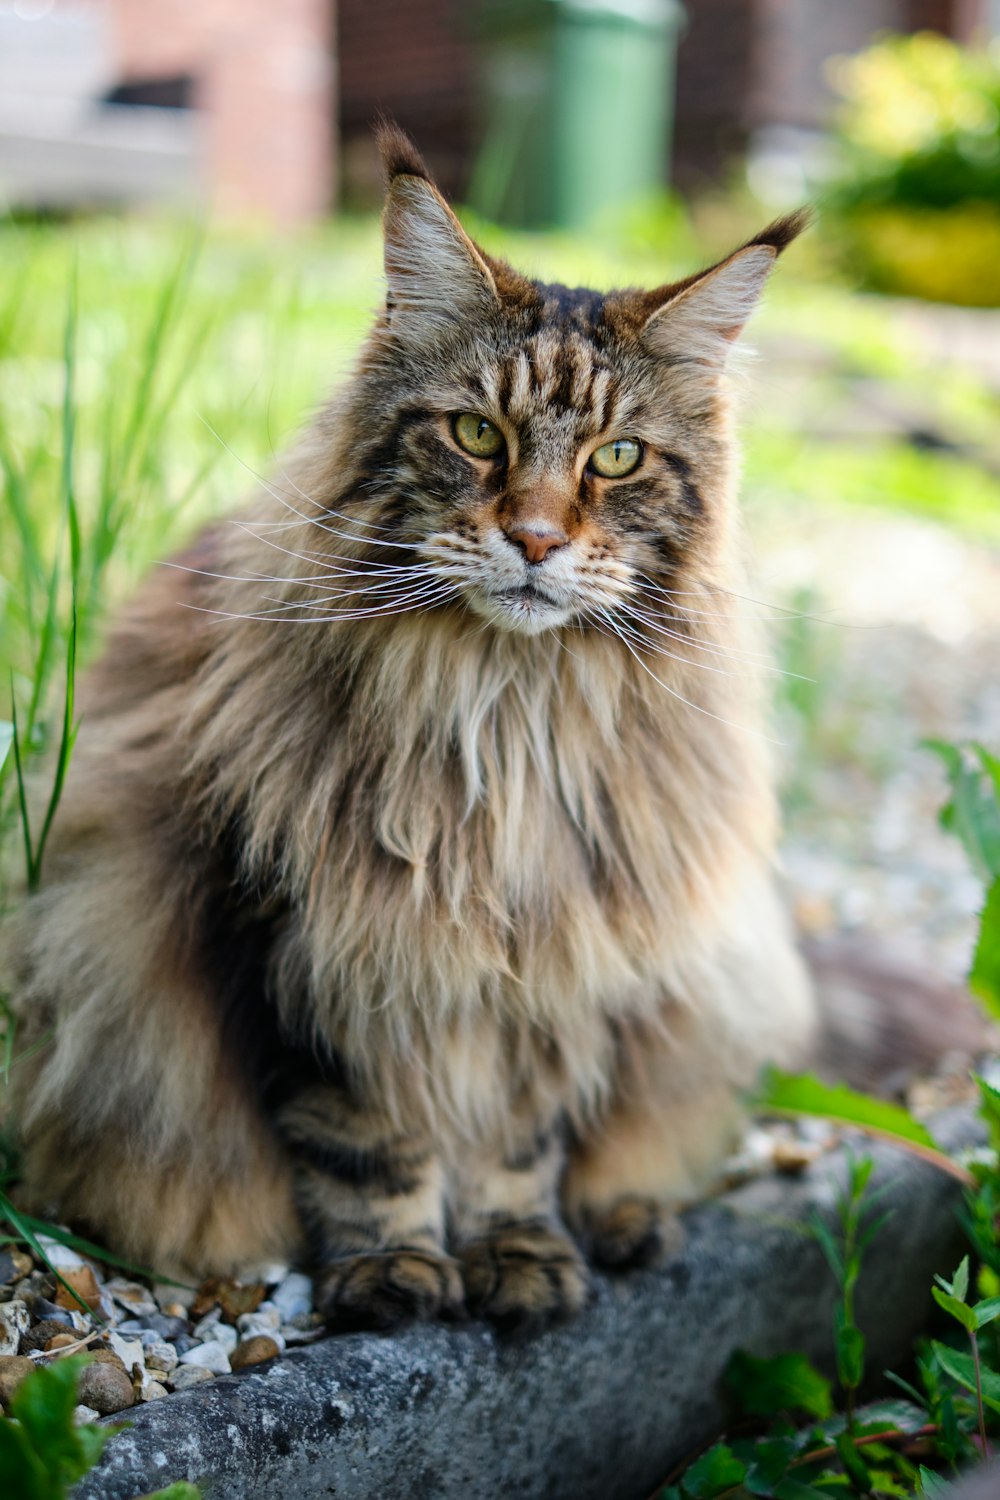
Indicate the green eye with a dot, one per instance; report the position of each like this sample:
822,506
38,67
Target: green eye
477,435
616,459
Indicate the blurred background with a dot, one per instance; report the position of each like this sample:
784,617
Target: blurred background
189,258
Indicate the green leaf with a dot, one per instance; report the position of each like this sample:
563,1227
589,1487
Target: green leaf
23,1472
715,1471
960,1281
961,1367
794,1489
786,1383
6,740
802,1094
986,1311
984,976
850,1354
973,814
955,1309
43,1404
769,1464
932,1485
854,1464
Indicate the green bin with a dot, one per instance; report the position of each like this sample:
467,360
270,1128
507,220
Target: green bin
578,105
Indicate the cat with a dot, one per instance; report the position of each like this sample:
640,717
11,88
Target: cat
410,906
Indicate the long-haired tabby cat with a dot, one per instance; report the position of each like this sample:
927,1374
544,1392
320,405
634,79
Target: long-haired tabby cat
410,903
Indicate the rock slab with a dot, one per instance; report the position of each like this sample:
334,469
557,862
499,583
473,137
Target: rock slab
599,1410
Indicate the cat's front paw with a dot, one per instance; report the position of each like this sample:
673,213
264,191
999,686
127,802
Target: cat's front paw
386,1289
631,1232
524,1277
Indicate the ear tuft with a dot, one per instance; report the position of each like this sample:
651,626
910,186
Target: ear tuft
783,231
400,157
698,319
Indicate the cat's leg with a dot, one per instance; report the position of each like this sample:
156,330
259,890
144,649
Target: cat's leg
371,1198
675,1111
519,1265
655,1150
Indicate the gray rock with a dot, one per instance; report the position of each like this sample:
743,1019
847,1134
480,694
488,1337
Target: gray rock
187,1376
83,1414
14,1320
156,1324
598,1410
211,1356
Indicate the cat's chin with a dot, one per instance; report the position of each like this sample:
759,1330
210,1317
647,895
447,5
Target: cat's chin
523,610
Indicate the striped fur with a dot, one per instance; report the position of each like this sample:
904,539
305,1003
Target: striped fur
409,898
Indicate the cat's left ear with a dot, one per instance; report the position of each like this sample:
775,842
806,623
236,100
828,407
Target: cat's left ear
435,273
699,319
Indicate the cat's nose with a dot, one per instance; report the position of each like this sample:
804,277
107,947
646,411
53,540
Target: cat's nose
536,542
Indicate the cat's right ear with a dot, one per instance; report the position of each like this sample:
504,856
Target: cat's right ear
434,272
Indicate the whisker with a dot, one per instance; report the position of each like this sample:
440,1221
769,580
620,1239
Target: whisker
744,728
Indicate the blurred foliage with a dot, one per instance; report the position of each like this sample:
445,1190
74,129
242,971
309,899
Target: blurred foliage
917,196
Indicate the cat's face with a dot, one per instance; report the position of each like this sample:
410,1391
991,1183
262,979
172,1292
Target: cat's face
550,456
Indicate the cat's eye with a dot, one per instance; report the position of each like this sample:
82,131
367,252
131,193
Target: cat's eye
477,434
616,459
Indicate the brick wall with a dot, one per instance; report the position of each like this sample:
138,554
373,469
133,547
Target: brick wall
415,61
264,74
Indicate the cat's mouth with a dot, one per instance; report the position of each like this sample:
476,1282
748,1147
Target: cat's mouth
526,608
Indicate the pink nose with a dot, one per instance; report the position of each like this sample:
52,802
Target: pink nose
536,542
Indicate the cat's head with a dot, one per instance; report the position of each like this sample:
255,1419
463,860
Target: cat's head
548,456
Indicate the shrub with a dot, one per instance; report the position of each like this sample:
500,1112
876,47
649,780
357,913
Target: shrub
917,194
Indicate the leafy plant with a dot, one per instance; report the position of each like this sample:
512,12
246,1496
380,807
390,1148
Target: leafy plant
42,1450
917,193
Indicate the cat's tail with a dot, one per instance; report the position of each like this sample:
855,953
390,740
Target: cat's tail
884,1020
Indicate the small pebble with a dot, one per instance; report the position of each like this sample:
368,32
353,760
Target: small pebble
264,1333
175,1301
61,1341
293,1296
206,1326
184,1342
226,1335
159,1323
85,1286
232,1297
291,1335
254,1351
269,1273
186,1376
13,1369
161,1356
59,1255
36,1284
129,1351
266,1317
211,1356
43,1308
146,1386
14,1322
14,1265
82,1414
135,1299
106,1387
